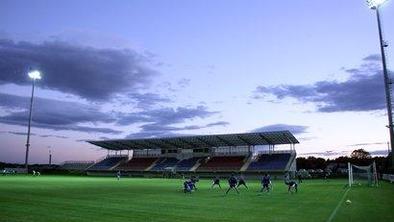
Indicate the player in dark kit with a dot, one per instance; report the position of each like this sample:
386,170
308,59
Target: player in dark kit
232,182
118,174
216,181
292,185
265,183
241,181
194,181
188,186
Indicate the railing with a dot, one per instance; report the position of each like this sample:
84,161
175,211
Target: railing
230,154
77,162
276,152
388,177
117,155
146,155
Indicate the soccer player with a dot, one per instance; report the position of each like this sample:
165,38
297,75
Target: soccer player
118,174
216,181
38,173
292,185
232,182
265,182
34,173
188,186
194,181
241,181
299,178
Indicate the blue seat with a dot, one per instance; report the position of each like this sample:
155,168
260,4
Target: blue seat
270,162
107,163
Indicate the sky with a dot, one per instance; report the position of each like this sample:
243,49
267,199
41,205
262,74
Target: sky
141,69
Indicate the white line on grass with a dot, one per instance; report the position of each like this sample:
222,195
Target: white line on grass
337,207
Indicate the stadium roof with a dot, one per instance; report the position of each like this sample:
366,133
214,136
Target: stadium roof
204,141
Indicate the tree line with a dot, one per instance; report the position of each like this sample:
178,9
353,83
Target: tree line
358,157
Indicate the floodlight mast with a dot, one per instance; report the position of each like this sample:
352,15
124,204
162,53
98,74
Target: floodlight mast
34,75
375,5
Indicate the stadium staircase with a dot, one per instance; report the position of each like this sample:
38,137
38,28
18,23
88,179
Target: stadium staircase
108,163
153,164
198,164
291,161
137,164
247,163
187,164
165,163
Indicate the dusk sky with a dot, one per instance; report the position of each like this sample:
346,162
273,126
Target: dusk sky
137,69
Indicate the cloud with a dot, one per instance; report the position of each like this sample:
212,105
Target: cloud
54,114
39,135
330,153
333,153
160,122
90,73
379,153
183,83
146,100
166,116
219,123
294,129
363,91
373,57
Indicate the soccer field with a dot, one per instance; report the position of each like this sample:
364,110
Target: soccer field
67,198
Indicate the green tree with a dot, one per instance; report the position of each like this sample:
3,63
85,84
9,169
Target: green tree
360,154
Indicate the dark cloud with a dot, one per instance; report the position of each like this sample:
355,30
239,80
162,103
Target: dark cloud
294,129
342,153
379,152
373,57
146,100
330,153
93,74
219,123
363,91
160,122
54,114
166,116
40,135
183,83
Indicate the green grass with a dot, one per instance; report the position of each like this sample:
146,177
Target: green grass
66,198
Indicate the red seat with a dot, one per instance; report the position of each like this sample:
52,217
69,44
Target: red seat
137,164
223,163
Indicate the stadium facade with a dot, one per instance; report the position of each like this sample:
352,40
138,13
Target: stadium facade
246,153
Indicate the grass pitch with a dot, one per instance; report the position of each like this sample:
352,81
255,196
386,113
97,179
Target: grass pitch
66,198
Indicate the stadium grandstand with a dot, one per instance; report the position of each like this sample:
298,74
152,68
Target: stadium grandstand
77,165
227,153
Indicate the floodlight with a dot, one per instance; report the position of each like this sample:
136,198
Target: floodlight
373,4
34,75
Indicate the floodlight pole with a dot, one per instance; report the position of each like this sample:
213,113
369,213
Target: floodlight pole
28,126
387,84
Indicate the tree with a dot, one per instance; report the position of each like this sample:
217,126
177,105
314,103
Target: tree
360,154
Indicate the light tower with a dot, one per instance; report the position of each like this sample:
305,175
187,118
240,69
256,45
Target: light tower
33,75
375,5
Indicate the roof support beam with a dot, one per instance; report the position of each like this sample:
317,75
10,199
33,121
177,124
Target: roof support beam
204,141
143,145
156,144
266,139
244,140
224,141
170,143
122,145
131,145
188,143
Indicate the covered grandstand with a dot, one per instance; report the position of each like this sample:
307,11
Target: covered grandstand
205,154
